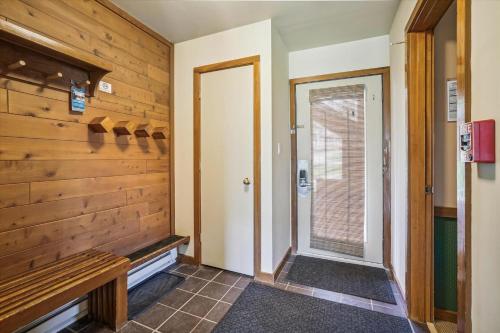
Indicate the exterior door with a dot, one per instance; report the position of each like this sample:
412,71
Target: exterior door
226,163
340,169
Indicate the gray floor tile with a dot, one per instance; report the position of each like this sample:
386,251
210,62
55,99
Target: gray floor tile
199,306
179,323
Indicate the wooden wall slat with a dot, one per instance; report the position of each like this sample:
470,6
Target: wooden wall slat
147,193
32,214
3,100
14,149
14,194
29,237
107,18
41,107
31,17
63,188
12,172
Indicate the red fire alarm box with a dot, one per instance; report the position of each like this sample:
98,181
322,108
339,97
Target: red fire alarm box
477,141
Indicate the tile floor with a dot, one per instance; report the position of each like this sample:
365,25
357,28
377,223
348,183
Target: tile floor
199,302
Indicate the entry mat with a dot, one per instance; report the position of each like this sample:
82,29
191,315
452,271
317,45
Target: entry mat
148,292
262,308
341,277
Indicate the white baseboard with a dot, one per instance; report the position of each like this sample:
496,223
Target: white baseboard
77,309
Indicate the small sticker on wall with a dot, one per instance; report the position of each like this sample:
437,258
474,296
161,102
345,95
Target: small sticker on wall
105,87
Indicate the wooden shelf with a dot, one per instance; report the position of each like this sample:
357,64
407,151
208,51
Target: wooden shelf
101,125
159,133
124,128
143,131
48,49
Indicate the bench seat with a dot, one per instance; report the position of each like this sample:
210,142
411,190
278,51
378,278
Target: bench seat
103,276
143,255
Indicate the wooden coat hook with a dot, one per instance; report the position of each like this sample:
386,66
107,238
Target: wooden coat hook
124,128
55,76
101,125
159,133
18,64
143,131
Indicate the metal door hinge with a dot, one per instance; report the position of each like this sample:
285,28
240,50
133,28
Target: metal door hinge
429,189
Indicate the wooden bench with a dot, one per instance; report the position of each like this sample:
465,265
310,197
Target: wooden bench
103,276
149,252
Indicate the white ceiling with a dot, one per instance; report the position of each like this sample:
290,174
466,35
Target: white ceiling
302,24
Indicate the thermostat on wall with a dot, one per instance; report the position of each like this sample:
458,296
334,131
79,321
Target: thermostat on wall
105,87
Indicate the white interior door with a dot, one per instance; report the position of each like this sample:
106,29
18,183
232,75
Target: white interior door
226,160
339,150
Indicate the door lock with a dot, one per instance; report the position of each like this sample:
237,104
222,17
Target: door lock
246,181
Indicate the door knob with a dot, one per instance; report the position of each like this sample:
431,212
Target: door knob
246,181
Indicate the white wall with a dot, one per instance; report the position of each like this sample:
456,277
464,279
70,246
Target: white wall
445,133
249,40
361,54
281,160
399,142
485,69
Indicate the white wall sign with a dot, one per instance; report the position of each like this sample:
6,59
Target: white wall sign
105,87
451,89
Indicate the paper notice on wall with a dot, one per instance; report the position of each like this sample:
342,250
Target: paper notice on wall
451,88
77,99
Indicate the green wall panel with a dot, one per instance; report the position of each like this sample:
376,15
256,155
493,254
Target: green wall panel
445,263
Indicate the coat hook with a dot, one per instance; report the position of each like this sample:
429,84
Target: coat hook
83,84
18,64
54,76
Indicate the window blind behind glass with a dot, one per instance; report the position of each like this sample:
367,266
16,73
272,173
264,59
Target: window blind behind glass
338,169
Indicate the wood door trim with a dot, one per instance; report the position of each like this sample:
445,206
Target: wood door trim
450,212
426,15
386,106
248,61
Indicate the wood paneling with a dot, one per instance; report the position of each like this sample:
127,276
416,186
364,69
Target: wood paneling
63,188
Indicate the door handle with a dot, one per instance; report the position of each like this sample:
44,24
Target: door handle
246,181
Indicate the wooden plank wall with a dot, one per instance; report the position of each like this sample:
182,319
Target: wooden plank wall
64,189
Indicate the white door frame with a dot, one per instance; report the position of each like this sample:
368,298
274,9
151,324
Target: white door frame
197,72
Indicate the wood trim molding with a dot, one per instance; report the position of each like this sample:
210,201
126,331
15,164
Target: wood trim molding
446,315
420,74
338,76
272,277
197,72
171,120
184,259
282,264
426,15
385,73
464,293
123,14
450,212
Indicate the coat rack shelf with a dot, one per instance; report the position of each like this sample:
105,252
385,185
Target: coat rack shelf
32,57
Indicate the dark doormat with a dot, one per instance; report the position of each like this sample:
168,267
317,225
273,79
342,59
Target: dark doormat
267,309
148,292
341,277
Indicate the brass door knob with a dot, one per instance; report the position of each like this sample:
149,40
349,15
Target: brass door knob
246,181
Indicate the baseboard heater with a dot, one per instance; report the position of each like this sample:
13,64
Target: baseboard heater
77,309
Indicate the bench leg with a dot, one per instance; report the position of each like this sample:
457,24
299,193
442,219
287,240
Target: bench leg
108,304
